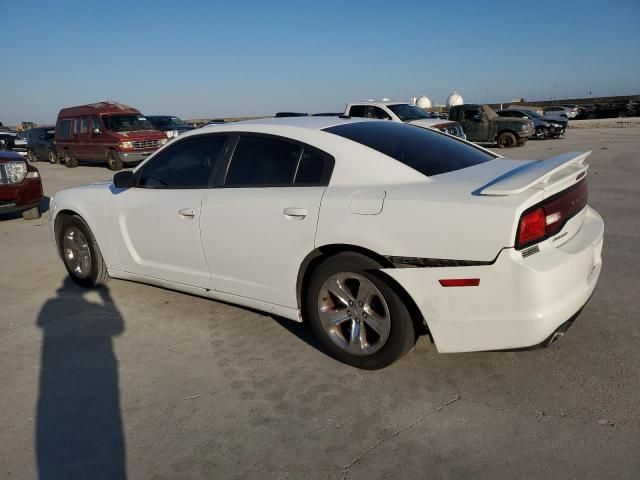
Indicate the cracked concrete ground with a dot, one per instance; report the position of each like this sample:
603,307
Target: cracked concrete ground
144,382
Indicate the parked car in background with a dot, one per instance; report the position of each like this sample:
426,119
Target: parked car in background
543,127
486,252
483,125
558,111
215,121
105,131
171,126
402,113
586,112
574,110
618,110
40,144
15,141
20,186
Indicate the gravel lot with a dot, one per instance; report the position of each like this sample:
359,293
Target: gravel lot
164,385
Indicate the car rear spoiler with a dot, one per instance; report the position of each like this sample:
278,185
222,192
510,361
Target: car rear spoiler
535,173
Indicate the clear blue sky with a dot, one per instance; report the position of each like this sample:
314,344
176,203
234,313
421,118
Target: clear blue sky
210,58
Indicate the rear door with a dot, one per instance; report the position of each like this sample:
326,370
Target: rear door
155,226
261,223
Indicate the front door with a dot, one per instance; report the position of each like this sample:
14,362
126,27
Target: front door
155,226
476,125
260,224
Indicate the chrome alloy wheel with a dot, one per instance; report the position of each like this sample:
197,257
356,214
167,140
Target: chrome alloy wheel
76,252
353,313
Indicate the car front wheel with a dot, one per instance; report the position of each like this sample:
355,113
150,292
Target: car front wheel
356,314
80,253
506,140
113,161
53,157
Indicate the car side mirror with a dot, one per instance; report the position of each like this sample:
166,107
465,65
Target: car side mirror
41,137
124,179
478,117
96,131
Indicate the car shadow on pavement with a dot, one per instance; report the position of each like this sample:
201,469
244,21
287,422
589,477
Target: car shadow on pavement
79,432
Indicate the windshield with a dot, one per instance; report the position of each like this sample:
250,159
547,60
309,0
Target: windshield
406,112
163,122
424,150
126,123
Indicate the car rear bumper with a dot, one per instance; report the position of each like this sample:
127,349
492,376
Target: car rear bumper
519,302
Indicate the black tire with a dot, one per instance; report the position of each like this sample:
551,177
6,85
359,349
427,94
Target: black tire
98,272
69,160
113,161
402,334
506,140
31,156
31,214
52,156
541,133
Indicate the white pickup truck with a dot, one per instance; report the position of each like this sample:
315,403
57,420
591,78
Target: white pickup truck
402,112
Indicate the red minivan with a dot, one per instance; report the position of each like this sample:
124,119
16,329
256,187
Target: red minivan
105,131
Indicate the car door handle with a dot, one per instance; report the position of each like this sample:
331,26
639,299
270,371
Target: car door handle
295,212
187,212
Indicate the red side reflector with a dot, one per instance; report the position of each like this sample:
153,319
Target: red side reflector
460,282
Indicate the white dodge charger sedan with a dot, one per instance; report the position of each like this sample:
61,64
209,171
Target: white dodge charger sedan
370,231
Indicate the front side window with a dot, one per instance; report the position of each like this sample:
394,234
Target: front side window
126,123
186,164
64,128
263,161
95,123
426,151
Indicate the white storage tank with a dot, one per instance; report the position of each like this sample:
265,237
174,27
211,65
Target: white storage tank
423,102
454,99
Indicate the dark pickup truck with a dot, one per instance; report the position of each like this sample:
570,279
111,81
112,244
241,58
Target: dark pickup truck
483,125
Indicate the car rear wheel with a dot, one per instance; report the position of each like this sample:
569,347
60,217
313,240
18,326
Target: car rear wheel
507,140
356,314
52,156
113,161
31,214
80,253
69,160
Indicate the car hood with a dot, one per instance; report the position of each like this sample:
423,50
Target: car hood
426,122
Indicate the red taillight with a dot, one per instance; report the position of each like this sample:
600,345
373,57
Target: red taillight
550,216
533,226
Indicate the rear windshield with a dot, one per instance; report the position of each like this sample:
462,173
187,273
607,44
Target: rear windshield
428,152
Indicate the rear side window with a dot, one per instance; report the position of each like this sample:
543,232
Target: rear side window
272,162
64,128
426,151
187,164
262,161
357,111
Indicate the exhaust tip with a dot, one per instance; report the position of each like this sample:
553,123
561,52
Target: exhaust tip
559,332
